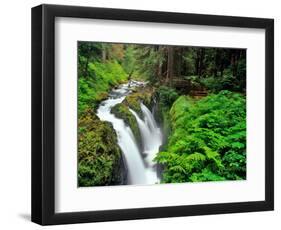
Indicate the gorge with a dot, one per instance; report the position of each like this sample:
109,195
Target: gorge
139,161
126,92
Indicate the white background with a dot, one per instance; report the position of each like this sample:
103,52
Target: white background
15,114
70,199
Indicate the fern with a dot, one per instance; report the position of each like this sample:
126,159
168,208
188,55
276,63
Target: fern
208,139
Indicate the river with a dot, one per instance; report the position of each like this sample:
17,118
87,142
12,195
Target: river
140,164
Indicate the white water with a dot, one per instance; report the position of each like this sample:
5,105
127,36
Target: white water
150,133
140,171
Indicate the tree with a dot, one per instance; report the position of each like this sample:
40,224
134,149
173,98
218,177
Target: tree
170,64
104,52
200,58
87,51
129,60
116,52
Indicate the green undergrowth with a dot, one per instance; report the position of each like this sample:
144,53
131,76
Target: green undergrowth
207,140
99,157
94,87
165,97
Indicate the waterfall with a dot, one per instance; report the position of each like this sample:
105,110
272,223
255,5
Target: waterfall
150,133
125,137
155,134
147,141
149,119
140,171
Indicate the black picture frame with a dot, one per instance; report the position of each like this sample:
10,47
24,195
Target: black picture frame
43,113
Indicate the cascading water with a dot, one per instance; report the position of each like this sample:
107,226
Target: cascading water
140,171
150,133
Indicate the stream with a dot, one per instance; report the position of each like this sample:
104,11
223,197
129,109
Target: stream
141,168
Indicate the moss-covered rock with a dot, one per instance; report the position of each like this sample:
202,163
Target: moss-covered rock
144,95
133,101
99,156
122,111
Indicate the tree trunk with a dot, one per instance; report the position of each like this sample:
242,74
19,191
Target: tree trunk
103,53
159,70
217,61
130,74
159,64
233,61
201,61
197,62
170,65
85,71
221,70
222,61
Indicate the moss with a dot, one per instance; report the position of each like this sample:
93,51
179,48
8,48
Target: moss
101,96
99,156
122,111
143,95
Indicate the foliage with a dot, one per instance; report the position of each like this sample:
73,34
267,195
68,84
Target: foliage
129,61
208,139
99,156
148,58
226,82
100,79
100,160
143,95
115,51
166,95
87,52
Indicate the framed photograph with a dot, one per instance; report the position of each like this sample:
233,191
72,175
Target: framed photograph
142,114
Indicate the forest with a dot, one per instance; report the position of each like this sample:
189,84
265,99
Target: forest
152,114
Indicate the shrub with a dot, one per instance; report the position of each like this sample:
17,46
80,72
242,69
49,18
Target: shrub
166,95
226,82
208,139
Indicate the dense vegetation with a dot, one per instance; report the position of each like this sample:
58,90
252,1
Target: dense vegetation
208,139
94,87
100,159
200,103
213,68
